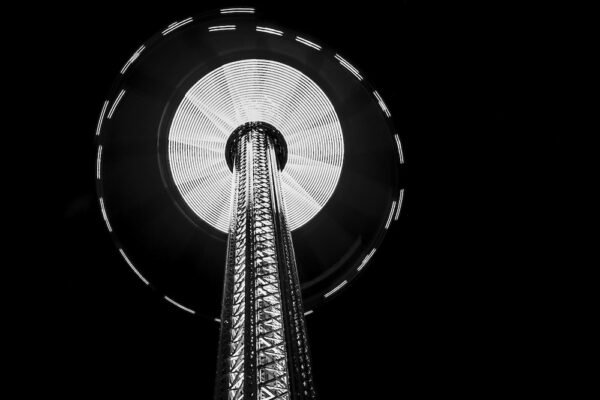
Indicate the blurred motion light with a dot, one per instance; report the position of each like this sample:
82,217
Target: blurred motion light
247,91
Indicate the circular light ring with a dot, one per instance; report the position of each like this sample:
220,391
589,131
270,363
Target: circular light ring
255,90
142,174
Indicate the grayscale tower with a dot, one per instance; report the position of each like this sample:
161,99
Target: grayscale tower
263,351
223,138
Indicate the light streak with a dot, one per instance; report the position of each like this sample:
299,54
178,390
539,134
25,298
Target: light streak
238,10
269,30
221,28
366,260
400,198
349,67
389,220
98,161
335,289
308,43
99,127
133,268
170,300
176,25
104,214
115,104
382,104
399,145
132,59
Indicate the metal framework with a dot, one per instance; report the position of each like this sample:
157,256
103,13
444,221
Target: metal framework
263,348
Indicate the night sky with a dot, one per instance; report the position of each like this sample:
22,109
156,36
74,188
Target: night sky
450,301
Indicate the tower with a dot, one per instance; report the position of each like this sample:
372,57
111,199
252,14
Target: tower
263,350
226,141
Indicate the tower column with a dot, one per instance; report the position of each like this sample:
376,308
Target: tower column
263,349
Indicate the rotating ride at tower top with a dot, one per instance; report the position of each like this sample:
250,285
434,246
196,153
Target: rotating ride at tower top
164,179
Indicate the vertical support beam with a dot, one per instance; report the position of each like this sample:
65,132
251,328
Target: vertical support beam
263,349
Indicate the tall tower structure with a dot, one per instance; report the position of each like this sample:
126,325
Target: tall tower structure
248,174
263,350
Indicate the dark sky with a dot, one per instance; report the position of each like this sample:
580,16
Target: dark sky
450,302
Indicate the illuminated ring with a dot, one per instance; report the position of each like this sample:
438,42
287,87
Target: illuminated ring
246,91
159,234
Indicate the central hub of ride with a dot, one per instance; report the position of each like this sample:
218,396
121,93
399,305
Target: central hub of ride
268,130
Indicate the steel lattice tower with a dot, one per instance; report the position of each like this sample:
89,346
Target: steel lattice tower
263,351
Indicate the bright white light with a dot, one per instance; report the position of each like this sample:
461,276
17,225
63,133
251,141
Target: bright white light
348,66
218,320
400,198
389,220
104,215
133,268
115,104
308,312
269,30
335,289
255,90
382,104
98,161
132,59
221,28
99,127
176,25
399,145
170,300
366,260
308,43
239,10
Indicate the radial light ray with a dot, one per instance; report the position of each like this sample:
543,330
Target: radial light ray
254,90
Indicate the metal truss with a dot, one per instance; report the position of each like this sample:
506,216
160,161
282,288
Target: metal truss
263,349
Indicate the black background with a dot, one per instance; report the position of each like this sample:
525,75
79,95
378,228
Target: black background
455,298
